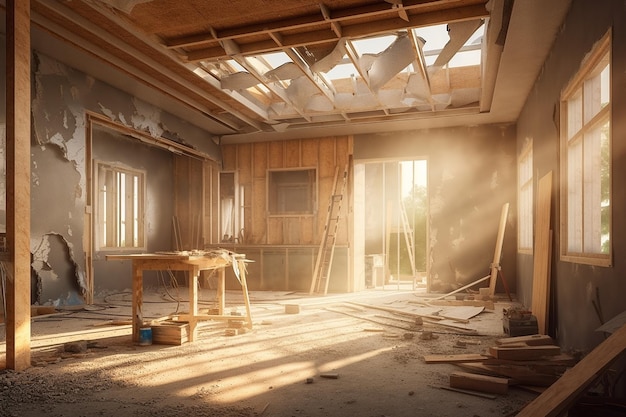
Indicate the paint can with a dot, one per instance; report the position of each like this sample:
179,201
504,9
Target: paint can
145,336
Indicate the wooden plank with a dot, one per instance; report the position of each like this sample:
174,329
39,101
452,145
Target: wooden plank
530,340
517,374
541,254
562,394
463,287
488,305
482,383
18,165
464,357
524,352
468,392
495,265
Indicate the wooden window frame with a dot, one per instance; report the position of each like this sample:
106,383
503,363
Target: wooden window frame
110,223
585,218
273,194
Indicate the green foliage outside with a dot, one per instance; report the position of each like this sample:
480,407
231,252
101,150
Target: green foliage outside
416,206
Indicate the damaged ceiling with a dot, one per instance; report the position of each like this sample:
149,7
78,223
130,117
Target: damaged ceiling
269,69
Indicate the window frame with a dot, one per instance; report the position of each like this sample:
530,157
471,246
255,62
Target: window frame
313,189
525,198
140,233
600,52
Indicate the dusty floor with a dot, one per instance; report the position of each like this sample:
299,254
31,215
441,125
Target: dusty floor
263,372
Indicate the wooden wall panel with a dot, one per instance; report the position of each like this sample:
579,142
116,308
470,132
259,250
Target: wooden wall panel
259,153
229,154
244,163
308,229
310,152
327,157
251,161
275,231
257,232
276,155
292,153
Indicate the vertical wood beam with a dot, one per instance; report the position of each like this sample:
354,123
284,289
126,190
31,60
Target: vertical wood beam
18,183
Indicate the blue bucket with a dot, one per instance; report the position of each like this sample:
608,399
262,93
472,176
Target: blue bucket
145,336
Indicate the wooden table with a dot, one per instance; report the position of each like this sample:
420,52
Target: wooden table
193,264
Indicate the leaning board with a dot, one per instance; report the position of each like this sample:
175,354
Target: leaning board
560,395
541,253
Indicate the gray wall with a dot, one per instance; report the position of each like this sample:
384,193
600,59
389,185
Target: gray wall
61,98
110,146
572,316
471,174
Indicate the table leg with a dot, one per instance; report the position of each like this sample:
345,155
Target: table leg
137,301
244,289
194,273
221,284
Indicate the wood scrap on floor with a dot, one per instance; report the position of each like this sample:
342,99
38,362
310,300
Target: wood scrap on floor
523,352
428,319
562,394
530,340
482,383
530,361
464,357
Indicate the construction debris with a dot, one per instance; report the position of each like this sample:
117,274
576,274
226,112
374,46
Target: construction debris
532,360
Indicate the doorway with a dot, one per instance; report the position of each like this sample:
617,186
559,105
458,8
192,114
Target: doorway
395,219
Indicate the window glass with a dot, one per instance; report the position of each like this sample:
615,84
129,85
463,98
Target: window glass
586,162
292,191
120,203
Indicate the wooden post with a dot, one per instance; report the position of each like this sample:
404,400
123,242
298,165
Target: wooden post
137,300
18,183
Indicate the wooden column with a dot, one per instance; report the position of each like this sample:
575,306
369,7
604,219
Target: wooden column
18,183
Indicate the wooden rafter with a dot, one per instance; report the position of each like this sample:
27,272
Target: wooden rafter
313,30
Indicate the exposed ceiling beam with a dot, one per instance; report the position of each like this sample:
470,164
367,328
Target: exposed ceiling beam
319,34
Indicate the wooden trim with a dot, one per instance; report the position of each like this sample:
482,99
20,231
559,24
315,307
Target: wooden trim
598,50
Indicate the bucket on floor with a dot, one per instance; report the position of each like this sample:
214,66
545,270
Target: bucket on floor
145,336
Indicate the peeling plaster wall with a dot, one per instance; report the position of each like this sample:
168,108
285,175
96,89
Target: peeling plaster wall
471,174
112,147
61,96
573,287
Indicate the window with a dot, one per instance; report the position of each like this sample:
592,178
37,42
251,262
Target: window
525,199
292,191
231,207
585,161
120,203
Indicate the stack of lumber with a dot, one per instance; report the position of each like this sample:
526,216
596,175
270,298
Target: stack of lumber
533,362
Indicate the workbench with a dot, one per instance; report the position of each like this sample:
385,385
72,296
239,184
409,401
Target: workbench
194,264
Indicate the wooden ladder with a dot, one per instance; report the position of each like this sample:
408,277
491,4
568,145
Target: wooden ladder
326,251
